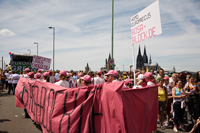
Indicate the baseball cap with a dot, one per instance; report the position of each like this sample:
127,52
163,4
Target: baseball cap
37,75
63,73
46,73
30,74
39,70
80,74
86,78
112,72
27,70
127,81
166,78
141,76
148,74
99,72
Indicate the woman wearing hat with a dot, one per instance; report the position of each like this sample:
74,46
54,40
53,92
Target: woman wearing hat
128,83
63,77
38,77
46,76
79,82
31,76
98,79
52,78
86,80
26,71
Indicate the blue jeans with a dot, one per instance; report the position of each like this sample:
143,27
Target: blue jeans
14,86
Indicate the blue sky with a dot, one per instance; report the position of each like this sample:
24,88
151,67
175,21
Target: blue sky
83,32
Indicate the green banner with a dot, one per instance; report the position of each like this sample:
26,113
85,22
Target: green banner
21,65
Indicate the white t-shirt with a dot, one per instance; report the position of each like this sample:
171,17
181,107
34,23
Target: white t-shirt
52,79
79,84
63,83
150,83
15,78
7,76
10,78
98,80
57,76
170,80
41,80
168,89
116,80
25,76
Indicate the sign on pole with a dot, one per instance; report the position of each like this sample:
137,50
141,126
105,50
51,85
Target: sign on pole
111,61
41,62
146,24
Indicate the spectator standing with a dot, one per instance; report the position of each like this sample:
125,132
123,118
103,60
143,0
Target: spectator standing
179,97
98,79
87,80
10,82
190,88
162,100
160,75
63,77
15,78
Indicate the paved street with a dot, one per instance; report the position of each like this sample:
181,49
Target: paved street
12,119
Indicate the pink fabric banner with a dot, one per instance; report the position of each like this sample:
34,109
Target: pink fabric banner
101,108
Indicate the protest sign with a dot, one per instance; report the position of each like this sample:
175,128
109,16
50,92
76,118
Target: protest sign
21,65
146,24
41,62
101,108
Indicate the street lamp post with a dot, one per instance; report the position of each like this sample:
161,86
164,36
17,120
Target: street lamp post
53,44
37,47
29,51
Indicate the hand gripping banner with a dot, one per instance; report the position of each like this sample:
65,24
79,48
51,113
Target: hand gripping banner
102,108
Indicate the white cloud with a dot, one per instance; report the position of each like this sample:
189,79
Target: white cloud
6,32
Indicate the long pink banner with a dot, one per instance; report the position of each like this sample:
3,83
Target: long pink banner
102,108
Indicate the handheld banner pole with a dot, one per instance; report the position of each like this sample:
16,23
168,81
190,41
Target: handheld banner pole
133,63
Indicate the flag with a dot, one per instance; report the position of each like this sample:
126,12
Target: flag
147,68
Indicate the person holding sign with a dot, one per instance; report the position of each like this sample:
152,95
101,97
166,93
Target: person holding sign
63,77
112,76
26,71
87,80
38,77
98,79
52,78
46,77
31,76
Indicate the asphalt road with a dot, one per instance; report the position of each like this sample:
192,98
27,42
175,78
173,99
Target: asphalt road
12,118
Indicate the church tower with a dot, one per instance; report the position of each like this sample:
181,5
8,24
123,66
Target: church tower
145,58
139,64
150,60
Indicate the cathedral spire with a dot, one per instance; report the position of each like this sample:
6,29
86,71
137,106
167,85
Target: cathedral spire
139,53
109,57
150,60
145,50
145,58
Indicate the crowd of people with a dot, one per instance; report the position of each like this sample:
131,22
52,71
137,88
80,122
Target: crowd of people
176,93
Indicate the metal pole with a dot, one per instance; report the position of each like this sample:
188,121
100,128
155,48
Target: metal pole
2,62
53,46
37,49
112,32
